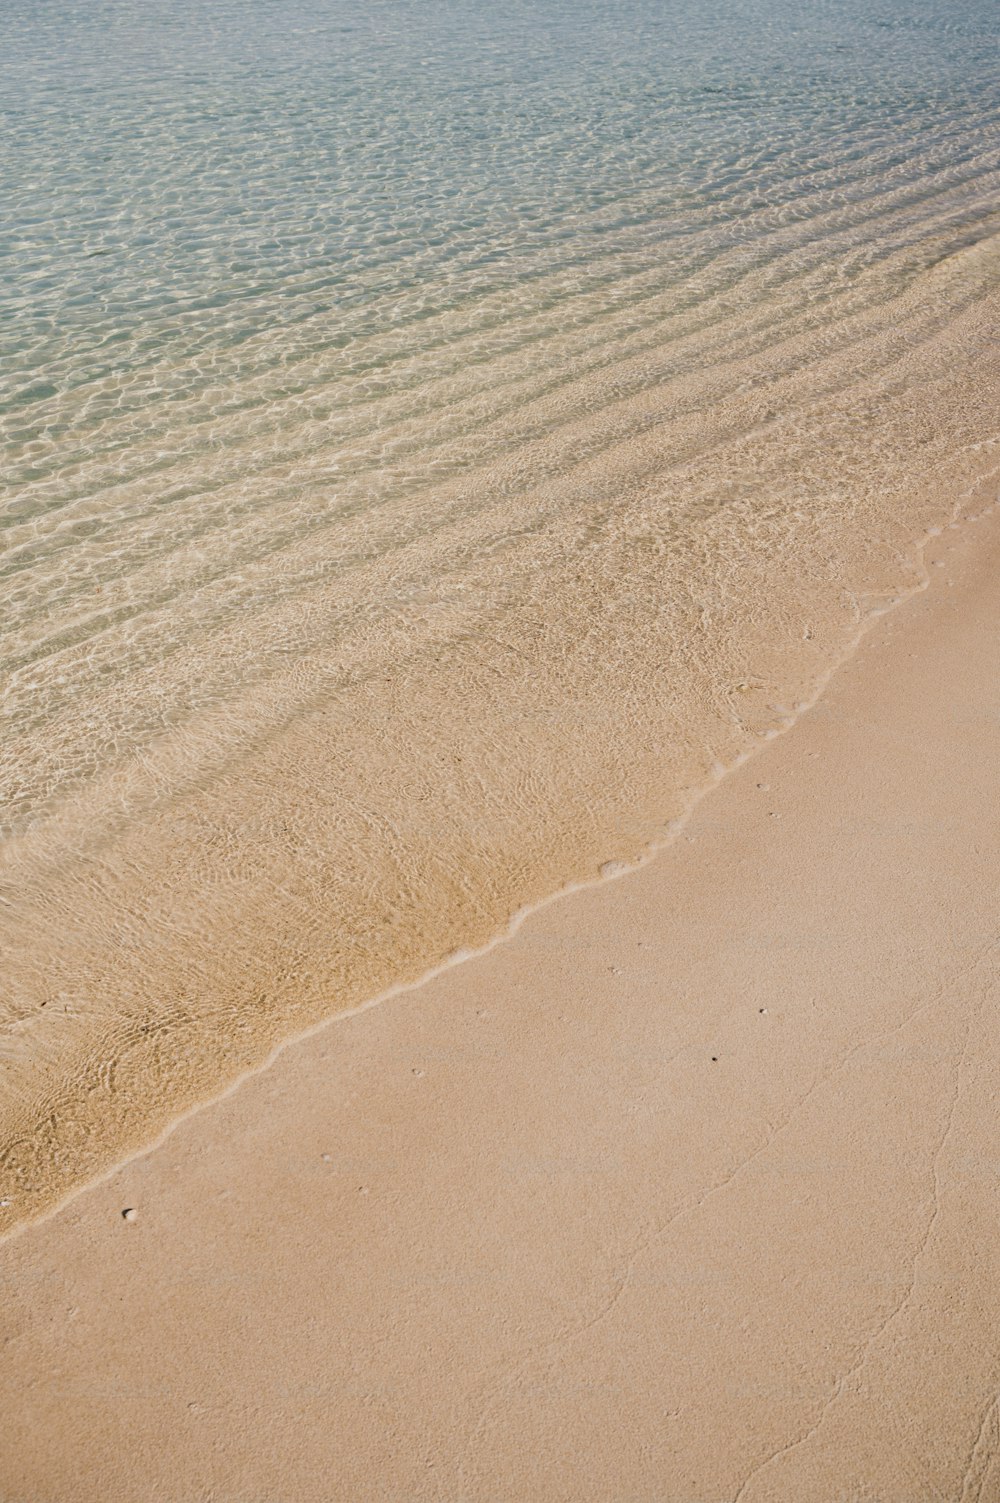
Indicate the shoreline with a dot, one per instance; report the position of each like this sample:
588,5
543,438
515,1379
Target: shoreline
965,514
691,563
687,1157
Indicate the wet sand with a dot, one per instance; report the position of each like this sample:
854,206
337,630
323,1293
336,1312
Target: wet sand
689,1191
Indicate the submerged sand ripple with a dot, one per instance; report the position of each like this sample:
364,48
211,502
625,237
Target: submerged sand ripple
263,771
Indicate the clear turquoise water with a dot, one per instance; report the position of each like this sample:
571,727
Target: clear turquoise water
268,271
178,178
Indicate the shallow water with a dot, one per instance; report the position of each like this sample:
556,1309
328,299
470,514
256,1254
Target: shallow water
435,439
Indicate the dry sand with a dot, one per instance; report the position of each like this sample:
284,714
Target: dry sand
690,1191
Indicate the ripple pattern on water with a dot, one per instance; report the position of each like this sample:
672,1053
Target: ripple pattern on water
433,436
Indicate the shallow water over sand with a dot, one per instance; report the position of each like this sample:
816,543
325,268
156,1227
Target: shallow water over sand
435,442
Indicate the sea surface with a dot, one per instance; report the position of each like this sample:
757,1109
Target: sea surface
437,441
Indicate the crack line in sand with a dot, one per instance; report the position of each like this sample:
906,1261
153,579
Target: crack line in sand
644,1242
866,1349
988,1433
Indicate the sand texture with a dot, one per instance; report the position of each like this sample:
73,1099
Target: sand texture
689,1192
261,779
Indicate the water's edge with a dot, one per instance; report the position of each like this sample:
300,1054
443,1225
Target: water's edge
984,499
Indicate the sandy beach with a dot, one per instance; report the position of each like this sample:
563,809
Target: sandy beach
499,735
688,1191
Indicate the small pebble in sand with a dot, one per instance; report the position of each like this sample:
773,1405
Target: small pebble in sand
129,1213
